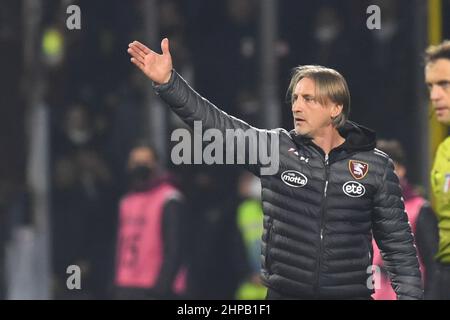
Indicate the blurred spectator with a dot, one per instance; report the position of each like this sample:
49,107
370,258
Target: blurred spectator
125,125
423,224
217,254
250,223
83,222
76,130
151,234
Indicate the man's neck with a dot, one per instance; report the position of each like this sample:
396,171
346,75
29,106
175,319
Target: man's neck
328,139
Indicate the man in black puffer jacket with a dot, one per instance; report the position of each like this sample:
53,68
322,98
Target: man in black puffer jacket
330,193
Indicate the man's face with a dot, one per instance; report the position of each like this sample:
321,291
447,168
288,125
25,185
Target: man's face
141,156
437,77
310,116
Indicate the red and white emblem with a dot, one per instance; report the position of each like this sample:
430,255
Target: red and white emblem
358,169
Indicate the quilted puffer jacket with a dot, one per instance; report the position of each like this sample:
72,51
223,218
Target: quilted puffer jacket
320,211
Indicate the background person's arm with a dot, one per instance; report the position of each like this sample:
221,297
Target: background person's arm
174,237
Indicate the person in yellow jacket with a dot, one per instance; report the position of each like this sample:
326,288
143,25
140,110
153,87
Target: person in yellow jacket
437,77
250,224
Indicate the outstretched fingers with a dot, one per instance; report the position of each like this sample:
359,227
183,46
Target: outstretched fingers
136,53
138,64
142,47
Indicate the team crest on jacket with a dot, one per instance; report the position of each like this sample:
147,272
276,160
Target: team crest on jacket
358,169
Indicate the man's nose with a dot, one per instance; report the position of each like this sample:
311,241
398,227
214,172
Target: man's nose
296,106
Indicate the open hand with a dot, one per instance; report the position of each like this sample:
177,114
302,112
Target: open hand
158,67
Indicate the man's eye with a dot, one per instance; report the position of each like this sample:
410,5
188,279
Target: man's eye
443,84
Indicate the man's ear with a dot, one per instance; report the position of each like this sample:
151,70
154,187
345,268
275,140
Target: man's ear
336,110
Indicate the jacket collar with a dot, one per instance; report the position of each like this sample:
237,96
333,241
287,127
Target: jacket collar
357,138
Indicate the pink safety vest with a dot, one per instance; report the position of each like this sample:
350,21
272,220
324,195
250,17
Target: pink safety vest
385,292
140,247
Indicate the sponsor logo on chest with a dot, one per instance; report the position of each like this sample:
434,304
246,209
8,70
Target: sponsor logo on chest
294,178
354,189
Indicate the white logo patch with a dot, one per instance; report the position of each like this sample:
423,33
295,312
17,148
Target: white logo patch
353,189
294,178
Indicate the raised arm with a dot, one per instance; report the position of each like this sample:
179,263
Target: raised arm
255,148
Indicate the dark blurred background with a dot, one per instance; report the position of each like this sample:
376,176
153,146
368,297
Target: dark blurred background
72,105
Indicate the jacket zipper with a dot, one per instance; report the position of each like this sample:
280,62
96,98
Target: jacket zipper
322,223
368,249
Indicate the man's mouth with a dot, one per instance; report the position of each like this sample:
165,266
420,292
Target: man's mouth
440,109
299,120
